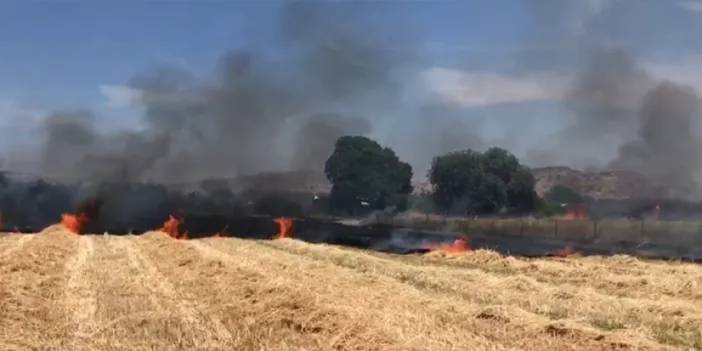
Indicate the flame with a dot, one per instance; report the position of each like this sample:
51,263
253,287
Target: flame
457,246
565,252
87,210
75,223
285,227
172,227
575,213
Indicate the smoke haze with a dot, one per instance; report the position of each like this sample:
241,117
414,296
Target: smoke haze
343,74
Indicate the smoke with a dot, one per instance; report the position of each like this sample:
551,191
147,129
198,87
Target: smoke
330,70
667,148
315,140
622,116
260,113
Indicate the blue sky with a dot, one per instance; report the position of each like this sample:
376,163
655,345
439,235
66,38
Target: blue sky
57,55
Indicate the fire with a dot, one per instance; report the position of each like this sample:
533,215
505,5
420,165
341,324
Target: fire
457,246
576,213
75,223
172,227
285,227
89,209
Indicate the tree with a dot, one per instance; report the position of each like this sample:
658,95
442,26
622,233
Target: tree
454,176
500,163
491,195
482,182
364,175
561,194
520,191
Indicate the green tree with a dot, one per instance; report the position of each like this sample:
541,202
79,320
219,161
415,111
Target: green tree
491,195
454,176
482,182
500,163
363,172
520,191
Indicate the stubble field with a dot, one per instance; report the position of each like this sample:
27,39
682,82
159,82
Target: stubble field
67,292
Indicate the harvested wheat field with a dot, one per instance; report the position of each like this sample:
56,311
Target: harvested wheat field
69,292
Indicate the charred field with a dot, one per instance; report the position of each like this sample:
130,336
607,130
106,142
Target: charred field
151,291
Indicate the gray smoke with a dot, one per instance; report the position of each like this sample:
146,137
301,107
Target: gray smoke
623,117
315,140
667,148
650,124
341,75
261,113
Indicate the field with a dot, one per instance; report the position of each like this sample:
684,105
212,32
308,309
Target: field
66,292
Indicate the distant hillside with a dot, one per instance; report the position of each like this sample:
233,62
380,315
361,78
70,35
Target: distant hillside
597,185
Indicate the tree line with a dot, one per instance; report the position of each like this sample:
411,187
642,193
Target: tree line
366,176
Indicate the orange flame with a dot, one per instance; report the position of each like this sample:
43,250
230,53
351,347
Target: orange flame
75,223
285,227
457,246
172,227
576,213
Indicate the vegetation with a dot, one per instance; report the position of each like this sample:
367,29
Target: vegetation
471,182
365,176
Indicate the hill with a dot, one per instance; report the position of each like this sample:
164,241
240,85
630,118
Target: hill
596,185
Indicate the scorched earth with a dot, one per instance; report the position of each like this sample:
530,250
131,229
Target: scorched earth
63,291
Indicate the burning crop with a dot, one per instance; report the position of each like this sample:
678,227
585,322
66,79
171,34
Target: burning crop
75,223
285,228
173,227
459,245
87,211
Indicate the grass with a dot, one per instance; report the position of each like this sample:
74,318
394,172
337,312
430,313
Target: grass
62,291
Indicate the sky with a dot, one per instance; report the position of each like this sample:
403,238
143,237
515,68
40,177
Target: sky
506,65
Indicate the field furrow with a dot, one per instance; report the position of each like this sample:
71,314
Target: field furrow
580,306
621,276
129,306
80,296
67,292
34,278
263,310
10,243
460,318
